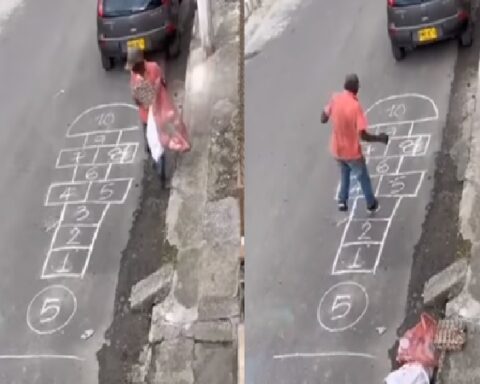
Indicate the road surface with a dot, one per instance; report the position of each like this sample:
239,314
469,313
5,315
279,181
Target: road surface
326,291
69,185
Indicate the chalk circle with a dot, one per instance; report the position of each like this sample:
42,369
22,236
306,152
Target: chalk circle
342,306
51,309
104,118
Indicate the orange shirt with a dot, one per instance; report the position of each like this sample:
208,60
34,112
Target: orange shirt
152,73
348,120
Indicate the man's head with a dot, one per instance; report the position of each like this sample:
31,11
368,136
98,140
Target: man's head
352,84
135,60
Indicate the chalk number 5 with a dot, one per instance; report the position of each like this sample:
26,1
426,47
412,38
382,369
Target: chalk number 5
341,307
50,310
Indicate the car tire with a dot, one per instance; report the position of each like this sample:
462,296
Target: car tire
174,46
466,38
399,53
107,62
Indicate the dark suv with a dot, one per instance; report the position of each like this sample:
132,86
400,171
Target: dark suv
144,24
412,23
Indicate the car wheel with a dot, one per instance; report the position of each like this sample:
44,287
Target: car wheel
107,62
466,38
399,53
173,48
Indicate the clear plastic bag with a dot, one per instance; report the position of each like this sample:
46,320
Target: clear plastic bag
412,373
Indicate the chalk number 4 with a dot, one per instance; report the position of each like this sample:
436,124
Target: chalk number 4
50,310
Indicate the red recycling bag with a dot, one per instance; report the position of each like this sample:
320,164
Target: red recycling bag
172,131
417,346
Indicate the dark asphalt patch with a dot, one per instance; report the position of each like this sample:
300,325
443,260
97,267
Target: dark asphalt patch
146,251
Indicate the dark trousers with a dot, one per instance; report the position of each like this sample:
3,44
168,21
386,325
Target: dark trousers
160,166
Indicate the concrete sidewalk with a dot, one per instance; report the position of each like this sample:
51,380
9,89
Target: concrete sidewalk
195,301
461,282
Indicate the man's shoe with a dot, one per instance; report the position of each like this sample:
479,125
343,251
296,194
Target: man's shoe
342,206
374,206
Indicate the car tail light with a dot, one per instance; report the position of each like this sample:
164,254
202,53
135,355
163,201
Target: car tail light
463,15
166,2
171,28
391,3
100,8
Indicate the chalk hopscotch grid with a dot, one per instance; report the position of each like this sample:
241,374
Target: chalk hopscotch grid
46,275
336,270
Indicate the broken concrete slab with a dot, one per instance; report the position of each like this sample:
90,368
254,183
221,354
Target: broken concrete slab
217,308
214,364
173,362
152,289
222,222
446,284
219,271
213,331
170,320
186,287
464,306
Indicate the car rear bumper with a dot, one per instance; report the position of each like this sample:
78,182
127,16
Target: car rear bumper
408,36
117,47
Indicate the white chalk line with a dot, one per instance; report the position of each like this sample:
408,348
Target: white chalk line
394,212
85,199
404,96
87,262
41,357
52,241
97,107
301,355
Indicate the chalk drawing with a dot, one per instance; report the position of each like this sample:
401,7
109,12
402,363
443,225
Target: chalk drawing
336,354
364,233
51,309
85,201
41,357
342,306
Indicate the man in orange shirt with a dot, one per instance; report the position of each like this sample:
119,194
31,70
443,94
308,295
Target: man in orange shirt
349,127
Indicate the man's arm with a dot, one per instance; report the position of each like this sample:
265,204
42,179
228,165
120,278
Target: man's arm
326,113
362,125
380,138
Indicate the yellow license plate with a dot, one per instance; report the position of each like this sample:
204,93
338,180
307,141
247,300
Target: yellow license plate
137,43
427,34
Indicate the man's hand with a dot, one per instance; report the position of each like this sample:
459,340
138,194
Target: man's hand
324,118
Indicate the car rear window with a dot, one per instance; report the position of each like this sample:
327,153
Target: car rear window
127,7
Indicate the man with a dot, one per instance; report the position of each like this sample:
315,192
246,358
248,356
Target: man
150,72
349,127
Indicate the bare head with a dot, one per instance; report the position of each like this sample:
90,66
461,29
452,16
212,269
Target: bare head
352,84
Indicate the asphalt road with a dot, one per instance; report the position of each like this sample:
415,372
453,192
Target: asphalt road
326,291
60,263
